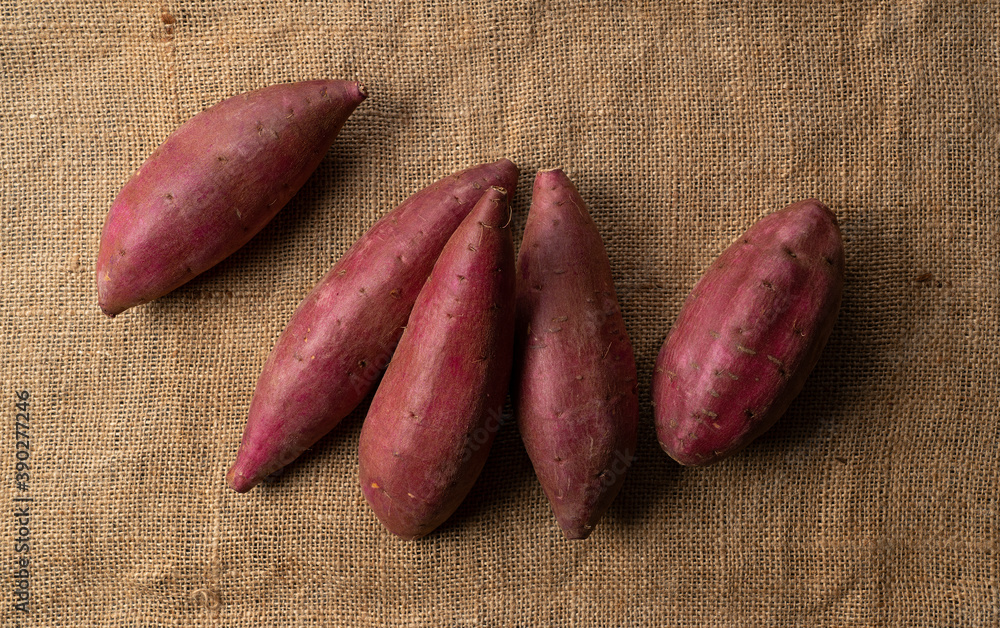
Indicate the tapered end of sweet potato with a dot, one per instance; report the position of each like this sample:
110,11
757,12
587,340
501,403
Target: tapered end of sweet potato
255,461
252,466
555,173
575,528
239,482
575,533
505,173
108,310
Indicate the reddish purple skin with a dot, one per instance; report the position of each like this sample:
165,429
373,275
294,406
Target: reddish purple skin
338,341
435,414
749,334
213,184
576,402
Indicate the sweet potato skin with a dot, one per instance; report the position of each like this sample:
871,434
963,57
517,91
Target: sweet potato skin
341,337
749,334
434,416
575,376
213,184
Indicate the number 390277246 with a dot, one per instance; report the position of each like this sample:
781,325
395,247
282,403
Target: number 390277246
23,447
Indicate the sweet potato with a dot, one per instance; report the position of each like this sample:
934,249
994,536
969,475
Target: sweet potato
433,418
749,334
213,184
575,376
342,335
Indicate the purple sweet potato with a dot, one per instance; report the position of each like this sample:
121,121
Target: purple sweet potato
575,377
749,334
213,184
433,418
342,335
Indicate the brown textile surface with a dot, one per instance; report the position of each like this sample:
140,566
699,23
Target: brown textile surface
873,501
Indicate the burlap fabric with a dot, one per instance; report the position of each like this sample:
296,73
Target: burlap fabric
872,502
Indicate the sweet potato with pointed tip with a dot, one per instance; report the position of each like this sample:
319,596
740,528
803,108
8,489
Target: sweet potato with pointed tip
749,334
343,334
434,416
213,184
575,376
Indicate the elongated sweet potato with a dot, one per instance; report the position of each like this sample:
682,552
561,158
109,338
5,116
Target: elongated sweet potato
213,184
575,376
434,416
343,334
749,334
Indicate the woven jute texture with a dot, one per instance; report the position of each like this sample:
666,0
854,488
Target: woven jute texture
872,502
